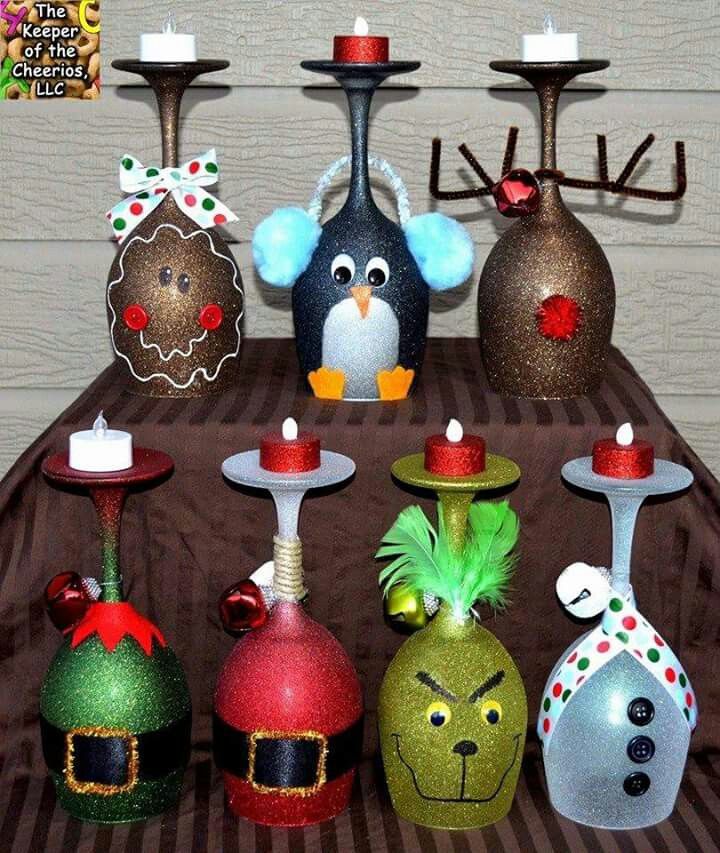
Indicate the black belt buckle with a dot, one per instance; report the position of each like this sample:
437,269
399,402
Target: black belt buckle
256,738
130,759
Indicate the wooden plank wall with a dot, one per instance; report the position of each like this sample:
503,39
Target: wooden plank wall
277,127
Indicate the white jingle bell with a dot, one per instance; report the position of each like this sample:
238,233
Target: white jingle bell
584,590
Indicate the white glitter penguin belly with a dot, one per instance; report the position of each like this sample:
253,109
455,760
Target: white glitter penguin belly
361,346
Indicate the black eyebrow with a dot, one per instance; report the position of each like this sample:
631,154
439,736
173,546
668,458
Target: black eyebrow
430,682
493,681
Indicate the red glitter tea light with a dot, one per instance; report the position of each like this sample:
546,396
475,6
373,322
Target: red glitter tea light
361,47
290,452
623,457
455,454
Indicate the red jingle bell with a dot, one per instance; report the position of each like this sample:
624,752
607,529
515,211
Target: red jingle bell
517,193
66,600
242,607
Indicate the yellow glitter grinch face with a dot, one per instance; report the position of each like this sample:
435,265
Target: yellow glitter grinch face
453,716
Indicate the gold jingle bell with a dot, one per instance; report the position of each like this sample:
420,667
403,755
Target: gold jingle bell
404,609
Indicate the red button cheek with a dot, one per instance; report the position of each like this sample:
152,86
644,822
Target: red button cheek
211,317
135,317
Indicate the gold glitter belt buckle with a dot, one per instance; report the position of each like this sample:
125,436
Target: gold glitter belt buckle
300,790
80,786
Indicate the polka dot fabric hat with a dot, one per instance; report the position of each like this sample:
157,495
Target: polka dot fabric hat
149,186
622,629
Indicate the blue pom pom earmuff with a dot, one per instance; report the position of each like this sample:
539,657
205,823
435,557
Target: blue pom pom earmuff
442,248
283,244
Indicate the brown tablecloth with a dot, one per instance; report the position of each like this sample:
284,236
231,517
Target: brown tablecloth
186,540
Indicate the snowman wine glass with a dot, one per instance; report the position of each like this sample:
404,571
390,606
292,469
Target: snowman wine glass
175,296
618,709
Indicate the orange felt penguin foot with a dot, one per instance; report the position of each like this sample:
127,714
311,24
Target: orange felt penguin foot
395,384
326,383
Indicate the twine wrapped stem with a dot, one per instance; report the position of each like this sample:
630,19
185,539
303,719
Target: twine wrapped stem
288,580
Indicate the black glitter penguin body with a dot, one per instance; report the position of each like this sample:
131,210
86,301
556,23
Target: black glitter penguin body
361,307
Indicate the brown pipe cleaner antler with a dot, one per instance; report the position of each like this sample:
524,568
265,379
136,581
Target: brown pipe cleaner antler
618,187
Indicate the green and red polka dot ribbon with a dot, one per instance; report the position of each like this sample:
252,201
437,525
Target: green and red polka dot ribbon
148,186
622,631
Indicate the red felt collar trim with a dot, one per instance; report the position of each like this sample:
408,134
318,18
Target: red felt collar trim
112,621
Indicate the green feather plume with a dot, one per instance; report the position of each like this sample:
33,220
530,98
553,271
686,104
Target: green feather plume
424,560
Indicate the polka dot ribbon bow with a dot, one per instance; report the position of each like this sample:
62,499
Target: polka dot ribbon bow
622,630
149,185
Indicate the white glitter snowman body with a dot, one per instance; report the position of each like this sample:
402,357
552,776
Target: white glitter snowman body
615,737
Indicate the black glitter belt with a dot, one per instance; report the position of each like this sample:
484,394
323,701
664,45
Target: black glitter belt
109,760
289,762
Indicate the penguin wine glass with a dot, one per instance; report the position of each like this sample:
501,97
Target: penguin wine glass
360,280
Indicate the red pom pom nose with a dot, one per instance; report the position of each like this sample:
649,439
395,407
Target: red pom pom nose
242,607
559,318
135,317
211,317
517,193
66,600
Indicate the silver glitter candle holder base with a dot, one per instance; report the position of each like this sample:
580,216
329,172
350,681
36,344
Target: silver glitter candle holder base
287,490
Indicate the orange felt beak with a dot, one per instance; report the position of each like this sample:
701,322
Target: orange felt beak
361,293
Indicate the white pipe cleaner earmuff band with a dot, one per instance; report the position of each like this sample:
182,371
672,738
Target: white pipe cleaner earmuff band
396,183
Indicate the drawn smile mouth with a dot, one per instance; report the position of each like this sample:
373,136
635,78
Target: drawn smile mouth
462,798
183,353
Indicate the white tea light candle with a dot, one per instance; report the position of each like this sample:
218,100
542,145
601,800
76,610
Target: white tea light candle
550,45
101,449
169,45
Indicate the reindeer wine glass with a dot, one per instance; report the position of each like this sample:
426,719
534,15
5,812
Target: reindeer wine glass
618,709
546,300
114,705
175,296
360,281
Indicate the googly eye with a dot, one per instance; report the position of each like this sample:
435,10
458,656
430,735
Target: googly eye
165,276
342,269
491,712
377,272
183,282
438,714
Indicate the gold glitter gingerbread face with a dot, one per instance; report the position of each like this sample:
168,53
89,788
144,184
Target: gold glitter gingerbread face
453,720
175,304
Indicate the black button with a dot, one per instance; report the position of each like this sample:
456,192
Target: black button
641,711
636,784
641,749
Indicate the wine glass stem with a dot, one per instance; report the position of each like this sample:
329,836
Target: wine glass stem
359,94
623,511
455,508
109,504
548,95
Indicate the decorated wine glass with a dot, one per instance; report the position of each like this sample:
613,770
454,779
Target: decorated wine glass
546,297
618,709
114,705
361,280
288,711
175,296
452,710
